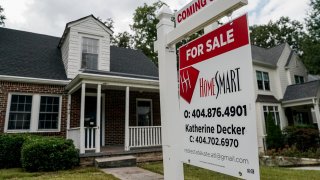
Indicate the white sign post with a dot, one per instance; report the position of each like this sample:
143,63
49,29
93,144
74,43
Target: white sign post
212,128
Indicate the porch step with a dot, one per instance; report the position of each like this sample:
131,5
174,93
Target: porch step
114,162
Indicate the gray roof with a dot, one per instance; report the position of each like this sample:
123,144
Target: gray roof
28,54
267,56
131,61
267,99
312,77
301,91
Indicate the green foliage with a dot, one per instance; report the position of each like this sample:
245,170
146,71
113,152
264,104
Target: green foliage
274,135
123,40
311,44
293,151
303,138
278,32
48,154
108,22
2,16
10,150
144,28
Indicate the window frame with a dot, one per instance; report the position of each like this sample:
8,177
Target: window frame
263,80
299,78
275,109
98,50
8,113
151,107
35,112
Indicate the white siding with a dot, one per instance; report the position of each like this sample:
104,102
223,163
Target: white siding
65,53
296,67
260,127
274,81
88,27
282,72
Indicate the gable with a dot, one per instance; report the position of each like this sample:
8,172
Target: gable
90,24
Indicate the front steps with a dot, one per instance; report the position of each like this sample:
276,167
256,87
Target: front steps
115,162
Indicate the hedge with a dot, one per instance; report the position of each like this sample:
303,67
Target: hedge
48,154
10,150
303,138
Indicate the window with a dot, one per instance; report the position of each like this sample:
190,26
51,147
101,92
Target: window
144,112
89,53
49,112
273,110
263,80
33,113
299,79
20,112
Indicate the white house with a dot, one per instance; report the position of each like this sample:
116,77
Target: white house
282,89
80,87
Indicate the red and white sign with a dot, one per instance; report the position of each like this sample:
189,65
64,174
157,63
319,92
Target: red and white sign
194,7
217,101
190,9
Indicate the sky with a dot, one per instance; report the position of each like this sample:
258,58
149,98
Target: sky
50,16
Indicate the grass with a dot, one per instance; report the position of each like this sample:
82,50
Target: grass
78,173
266,173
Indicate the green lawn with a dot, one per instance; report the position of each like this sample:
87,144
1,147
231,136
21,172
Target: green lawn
78,173
268,173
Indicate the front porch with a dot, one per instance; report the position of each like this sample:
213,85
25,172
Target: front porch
104,114
302,112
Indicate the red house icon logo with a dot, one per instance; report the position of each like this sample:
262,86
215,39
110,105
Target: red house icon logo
188,80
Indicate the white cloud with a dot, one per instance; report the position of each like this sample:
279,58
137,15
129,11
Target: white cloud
50,17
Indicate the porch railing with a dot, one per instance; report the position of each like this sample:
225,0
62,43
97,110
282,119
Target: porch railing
144,136
74,134
90,138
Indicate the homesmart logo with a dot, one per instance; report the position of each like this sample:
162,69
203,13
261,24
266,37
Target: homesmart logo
219,83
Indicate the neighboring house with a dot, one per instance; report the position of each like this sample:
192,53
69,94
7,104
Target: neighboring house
79,87
282,90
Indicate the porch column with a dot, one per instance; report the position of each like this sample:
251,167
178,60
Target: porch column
98,118
317,112
126,143
68,115
82,133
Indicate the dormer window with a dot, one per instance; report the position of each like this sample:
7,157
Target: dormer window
90,49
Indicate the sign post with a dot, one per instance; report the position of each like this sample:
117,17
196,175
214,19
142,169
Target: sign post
214,125
168,77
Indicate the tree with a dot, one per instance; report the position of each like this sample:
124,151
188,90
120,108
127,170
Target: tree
144,28
2,16
108,22
123,40
311,44
274,135
275,33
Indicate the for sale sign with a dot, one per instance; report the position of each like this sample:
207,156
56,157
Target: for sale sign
217,101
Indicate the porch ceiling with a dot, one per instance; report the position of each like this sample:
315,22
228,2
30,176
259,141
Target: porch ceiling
299,102
113,82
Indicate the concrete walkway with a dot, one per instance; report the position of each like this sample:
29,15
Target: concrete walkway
315,168
133,173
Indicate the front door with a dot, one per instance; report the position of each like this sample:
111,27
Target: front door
90,120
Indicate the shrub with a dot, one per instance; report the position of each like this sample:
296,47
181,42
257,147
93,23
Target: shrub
274,135
294,152
49,154
302,137
10,149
